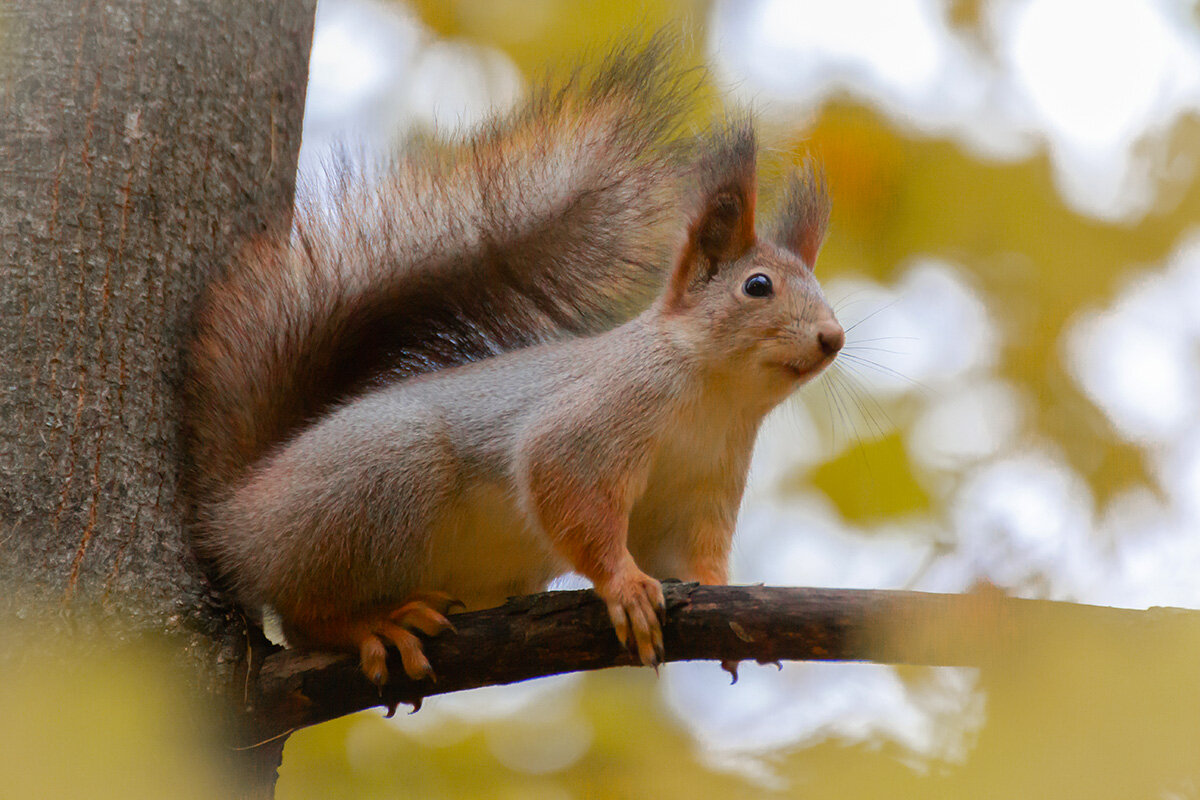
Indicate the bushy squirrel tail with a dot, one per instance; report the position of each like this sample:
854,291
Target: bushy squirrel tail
556,219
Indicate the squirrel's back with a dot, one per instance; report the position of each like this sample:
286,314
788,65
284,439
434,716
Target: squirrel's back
553,220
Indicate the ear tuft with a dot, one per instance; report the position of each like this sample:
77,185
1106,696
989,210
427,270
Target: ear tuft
722,226
805,213
719,226
724,223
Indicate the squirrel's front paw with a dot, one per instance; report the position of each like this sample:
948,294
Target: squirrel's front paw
635,601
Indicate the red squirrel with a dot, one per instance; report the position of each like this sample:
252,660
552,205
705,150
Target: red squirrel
444,387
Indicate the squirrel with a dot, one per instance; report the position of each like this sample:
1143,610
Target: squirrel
513,356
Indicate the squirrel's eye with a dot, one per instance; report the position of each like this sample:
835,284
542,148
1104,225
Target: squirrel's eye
758,285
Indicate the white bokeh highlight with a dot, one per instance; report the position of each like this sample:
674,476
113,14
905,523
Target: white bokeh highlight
1096,79
800,540
1025,523
966,424
924,333
1093,83
376,75
1097,86
1153,552
770,709
1139,360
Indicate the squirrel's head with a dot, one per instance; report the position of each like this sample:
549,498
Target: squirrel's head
753,303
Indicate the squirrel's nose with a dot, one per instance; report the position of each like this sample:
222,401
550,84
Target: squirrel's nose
831,337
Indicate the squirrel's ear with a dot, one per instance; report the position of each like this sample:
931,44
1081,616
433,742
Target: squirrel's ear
722,228
805,216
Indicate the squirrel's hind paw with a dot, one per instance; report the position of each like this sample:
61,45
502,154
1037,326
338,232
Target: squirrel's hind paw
424,612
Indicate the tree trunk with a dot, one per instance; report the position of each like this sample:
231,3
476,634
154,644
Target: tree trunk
139,143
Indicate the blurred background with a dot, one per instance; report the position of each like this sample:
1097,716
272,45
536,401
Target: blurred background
1015,253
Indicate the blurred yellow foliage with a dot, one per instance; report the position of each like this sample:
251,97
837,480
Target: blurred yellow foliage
1069,715
538,34
86,722
871,481
864,163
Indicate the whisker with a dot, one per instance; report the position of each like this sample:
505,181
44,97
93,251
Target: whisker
873,313
869,404
838,394
840,406
844,302
858,367
862,450
876,366
855,393
885,338
876,350
829,400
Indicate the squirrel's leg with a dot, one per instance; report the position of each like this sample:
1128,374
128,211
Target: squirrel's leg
707,558
590,528
367,634
707,562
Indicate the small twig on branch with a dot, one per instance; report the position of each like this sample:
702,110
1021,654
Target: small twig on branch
557,632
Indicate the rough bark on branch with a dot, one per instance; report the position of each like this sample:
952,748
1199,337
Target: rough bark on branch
556,632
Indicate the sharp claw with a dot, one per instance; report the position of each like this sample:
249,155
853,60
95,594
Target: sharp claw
440,601
422,617
420,671
620,623
420,614
647,656
637,609
372,658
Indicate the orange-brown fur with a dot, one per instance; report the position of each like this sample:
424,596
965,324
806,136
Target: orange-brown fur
437,394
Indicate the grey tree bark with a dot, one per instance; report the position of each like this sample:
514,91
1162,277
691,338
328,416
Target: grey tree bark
139,141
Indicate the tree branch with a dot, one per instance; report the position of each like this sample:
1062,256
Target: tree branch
557,632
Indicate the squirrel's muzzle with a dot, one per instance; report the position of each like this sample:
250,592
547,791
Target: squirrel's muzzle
831,337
